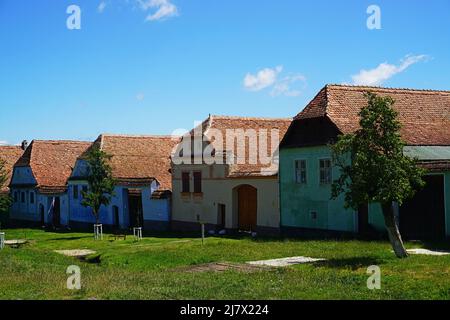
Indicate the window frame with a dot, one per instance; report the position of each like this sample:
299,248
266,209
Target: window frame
22,197
324,183
196,181
32,198
305,171
185,182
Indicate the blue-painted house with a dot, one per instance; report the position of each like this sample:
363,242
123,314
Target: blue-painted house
39,182
142,196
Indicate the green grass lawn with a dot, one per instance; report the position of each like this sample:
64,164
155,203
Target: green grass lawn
153,269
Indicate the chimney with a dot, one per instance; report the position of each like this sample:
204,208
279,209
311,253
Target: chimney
24,144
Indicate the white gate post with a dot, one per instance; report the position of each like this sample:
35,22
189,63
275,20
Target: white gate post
2,240
137,232
98,231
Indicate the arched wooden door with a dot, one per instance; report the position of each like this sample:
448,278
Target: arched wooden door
247,207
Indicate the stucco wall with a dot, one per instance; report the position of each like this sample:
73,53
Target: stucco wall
23,175
297,201
220,190
157,210
31,212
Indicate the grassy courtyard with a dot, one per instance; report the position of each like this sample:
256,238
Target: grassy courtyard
159,268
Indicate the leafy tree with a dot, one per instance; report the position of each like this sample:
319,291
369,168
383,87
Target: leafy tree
373,166
100,181
5,200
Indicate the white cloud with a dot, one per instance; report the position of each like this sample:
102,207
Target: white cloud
101,7
140,96
265,78
3,143
164,9
285,86
385,71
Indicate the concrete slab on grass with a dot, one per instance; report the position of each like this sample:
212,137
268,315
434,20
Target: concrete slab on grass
15,242
284,262
78,253
428,252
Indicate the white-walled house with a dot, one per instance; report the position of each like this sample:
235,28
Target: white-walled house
225,175
39,182
142,196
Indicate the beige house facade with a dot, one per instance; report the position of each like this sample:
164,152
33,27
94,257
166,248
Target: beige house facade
236,194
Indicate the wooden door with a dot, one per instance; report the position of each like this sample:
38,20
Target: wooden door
57,212
221,216
135,210
247,206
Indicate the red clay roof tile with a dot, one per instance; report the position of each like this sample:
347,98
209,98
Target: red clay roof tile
138,158
52,162
424,114
9,154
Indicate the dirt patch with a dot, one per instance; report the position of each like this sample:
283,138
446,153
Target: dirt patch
221,267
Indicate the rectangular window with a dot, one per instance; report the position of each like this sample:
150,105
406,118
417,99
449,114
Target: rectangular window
16,197
185,182
300,171
22,197
198,182
75,192
325,171
32,197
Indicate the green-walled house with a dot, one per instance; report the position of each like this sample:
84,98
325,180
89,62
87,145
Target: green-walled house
306,169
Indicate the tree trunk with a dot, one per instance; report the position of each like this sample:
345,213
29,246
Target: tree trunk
392,229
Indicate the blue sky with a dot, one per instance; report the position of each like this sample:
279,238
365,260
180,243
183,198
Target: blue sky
152,66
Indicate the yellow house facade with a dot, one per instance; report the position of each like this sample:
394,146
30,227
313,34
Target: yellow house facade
228,186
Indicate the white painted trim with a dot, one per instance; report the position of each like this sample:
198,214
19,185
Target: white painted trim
331,167
306,171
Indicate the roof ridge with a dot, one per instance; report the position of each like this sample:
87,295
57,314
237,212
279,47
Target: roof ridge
249,118
356,87
60,141
138,136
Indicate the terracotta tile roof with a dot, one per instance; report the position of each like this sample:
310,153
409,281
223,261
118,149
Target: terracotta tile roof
224,123
52,162
424,114
9,154
138,159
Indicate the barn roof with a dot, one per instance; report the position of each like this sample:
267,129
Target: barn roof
52,162
424,114
138,159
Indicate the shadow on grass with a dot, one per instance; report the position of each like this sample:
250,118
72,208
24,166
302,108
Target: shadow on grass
349,263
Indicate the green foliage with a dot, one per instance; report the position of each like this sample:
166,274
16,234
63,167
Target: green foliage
5,200
100,180
378,171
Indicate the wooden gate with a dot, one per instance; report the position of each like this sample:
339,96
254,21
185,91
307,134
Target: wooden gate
423,217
